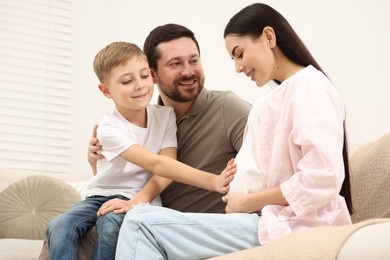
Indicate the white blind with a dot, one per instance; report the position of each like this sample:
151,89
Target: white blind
35,85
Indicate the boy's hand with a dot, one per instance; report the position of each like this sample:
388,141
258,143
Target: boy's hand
223,180
117,206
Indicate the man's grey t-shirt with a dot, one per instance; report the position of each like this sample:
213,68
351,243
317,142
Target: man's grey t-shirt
208,137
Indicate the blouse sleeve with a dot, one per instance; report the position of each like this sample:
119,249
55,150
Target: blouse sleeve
317,134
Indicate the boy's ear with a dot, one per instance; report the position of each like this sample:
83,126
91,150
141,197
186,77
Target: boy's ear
153,73
103,88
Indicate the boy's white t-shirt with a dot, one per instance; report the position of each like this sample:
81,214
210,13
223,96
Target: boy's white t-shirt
115,175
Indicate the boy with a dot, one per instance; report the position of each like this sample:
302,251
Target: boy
138,139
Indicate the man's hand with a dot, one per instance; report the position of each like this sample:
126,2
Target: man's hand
93,147
223,180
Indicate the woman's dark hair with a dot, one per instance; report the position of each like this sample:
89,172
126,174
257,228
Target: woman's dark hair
251,21
165,33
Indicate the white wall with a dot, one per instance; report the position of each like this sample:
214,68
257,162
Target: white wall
349,39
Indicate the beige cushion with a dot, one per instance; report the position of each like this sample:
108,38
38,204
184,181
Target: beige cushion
19,249
29,204
315,243
370,180
369,242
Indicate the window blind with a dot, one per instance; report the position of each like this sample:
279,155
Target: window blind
35,85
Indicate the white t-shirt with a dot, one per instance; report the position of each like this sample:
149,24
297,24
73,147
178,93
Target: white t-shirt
115,175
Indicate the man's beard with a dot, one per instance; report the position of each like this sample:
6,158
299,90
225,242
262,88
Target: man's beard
177,95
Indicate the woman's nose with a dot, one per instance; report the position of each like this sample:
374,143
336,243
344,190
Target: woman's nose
239,68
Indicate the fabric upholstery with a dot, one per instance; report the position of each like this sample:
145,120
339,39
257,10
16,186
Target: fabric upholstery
370,180
315,243
29,204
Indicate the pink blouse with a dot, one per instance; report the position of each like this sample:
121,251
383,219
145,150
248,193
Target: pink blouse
299,129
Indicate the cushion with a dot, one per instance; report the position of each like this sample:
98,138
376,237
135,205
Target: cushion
369,242
370,180
29,204
315,243
19,249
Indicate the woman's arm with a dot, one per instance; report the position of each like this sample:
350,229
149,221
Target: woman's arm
253,202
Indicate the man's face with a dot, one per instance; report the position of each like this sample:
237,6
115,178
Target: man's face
180,74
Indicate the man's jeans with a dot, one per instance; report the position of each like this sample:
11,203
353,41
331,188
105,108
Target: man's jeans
64,232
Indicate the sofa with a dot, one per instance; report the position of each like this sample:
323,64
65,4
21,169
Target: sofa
29,201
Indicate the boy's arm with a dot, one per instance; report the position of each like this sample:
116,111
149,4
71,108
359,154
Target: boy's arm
148,193
156,184
175,170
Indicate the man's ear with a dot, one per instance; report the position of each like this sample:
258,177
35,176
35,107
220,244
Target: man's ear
154,77
270,36
103,88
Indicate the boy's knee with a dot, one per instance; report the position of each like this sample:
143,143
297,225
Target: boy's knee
53,225
109,223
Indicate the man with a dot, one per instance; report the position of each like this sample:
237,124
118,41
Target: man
210,124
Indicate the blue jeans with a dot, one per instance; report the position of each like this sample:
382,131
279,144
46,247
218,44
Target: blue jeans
64,231
150,232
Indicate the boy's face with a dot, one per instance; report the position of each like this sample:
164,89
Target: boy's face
129,85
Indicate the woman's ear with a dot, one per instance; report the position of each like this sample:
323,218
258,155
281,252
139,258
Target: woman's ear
270,36
103,88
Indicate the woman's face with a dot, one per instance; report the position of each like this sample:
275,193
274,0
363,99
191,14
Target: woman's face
253,57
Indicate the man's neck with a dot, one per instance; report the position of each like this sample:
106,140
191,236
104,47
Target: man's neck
180,108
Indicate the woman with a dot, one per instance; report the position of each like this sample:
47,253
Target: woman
296,139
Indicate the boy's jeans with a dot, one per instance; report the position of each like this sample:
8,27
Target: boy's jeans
64,231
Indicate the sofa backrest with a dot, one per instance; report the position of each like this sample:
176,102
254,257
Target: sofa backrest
370,180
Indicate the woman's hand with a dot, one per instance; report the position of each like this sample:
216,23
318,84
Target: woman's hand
253,202
238,203
223,180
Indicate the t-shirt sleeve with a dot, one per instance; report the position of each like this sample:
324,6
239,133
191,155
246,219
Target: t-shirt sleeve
170,139
114,140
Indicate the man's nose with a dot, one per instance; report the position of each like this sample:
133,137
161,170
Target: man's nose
187,70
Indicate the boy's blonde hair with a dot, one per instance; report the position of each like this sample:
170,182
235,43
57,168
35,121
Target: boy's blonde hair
113,55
